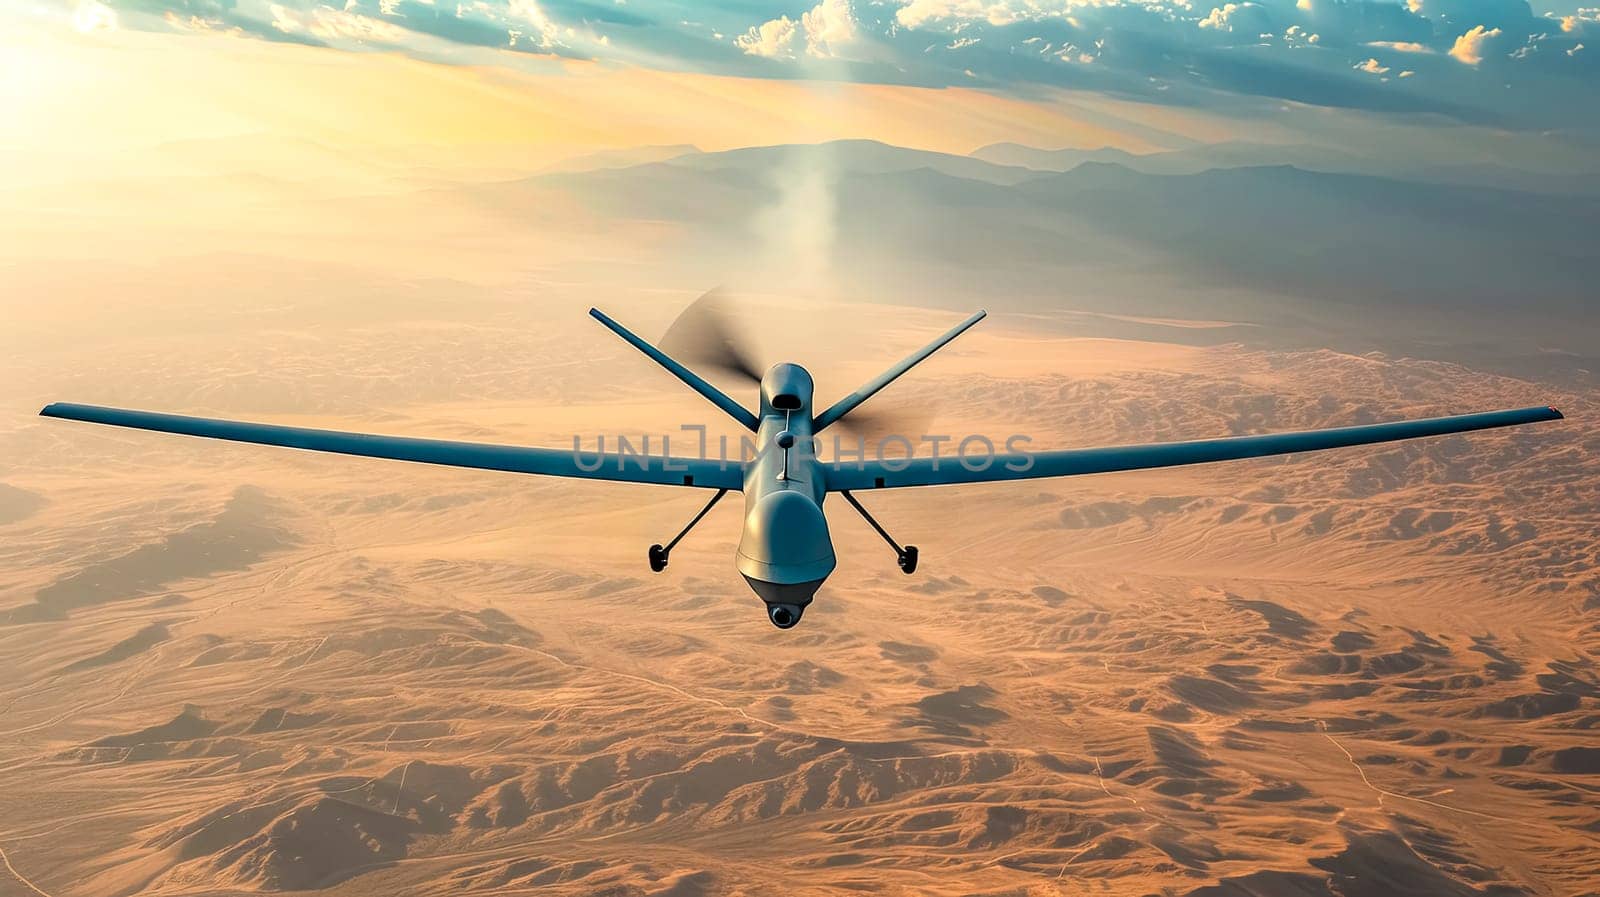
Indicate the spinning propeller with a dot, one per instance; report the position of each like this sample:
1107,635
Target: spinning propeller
706,337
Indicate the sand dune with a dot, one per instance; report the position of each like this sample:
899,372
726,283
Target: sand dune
239,534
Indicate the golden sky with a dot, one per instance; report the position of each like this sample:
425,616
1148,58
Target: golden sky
110,91
521,83
94,97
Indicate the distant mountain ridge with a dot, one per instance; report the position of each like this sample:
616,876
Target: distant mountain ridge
1395,265
857,157
1241,154
1350,237
620,158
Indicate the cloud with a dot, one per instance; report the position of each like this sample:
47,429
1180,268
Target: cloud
773,39
920,13
1226,18
1246,18
1371,67
1179,53
829,29
1353,22
1580,20
1174,52
1402,46
198,24
1294,35
545,31
1470,47
522,26
328,23
285,19
1219,17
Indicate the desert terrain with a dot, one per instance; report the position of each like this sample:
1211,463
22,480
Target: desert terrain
231,669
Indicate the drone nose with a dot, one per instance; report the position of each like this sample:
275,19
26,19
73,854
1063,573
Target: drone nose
786,539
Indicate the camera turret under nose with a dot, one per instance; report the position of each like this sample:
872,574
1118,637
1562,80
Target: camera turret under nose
784,616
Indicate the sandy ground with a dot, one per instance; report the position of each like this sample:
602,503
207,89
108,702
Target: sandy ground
234,669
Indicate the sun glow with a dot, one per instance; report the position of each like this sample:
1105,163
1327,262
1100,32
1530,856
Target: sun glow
92,15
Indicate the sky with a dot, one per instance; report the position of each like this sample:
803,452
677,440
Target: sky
510,85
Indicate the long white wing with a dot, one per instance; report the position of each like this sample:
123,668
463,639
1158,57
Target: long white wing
896,473
622,467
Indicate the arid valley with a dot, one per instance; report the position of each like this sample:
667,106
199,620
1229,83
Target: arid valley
229,669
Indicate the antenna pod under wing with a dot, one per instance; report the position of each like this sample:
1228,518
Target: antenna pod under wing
848,403
694,381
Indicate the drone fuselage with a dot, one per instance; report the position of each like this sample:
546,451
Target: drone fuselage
785,552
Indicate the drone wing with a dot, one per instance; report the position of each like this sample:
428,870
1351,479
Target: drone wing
985,468
623,467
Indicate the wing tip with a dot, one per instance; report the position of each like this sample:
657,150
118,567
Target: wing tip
1555,413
